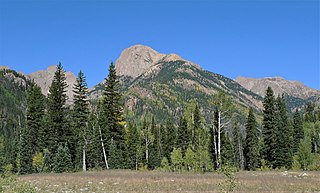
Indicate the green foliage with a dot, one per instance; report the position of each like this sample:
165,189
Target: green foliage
304,154
9,183
183,138
62,160
190,159
202,160
230,180
176,159
298,130
165,166
38,162
227,150
111,118
57,131
269,128
251,142
80,120
284,137
32,136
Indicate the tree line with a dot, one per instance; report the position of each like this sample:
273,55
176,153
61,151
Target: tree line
62,139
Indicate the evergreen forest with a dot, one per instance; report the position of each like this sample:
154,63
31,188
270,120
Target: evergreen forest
51,136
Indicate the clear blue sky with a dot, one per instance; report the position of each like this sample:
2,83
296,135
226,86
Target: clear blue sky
248,38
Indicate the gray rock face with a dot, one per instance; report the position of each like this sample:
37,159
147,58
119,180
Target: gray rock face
279,85
43,78
138,59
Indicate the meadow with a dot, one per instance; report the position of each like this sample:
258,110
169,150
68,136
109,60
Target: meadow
156,181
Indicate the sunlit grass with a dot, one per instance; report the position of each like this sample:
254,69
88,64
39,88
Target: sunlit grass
155,181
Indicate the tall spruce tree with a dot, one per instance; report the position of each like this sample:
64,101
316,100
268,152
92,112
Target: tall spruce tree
32,135
183,135
269,128
80,120
169,141
57,133
112,119
284,137
251,142
133,141
297,129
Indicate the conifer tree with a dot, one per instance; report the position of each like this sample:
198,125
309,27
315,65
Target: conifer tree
62,160
134,146
94,153
112,120
57,132
155,147
183,135
169,141
298,130
284,137
269,128
80,119
227,150
251,142
32,135
115,156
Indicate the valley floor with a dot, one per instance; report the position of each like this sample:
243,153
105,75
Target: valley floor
154,181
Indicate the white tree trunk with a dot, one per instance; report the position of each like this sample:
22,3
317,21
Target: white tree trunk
219,141
147,149
104,151
84,168
136,162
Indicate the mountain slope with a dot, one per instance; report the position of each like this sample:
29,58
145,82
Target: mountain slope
297,94
165,85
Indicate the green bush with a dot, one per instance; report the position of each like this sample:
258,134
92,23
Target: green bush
9,183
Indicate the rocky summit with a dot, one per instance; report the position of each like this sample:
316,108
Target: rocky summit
279,85
43,78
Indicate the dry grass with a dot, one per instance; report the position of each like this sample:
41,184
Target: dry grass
154,181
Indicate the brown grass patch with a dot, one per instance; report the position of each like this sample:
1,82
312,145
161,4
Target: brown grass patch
155,181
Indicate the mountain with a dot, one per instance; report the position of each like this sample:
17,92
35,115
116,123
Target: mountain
297,94
43,78
163,84
13,102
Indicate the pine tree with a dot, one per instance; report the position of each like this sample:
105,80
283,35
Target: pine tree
227,150
269,128
169,141
94,153
183,135
115,156
251,142
32,135
284,137
112,120
80,120
298,130
57,132
62,160
134,146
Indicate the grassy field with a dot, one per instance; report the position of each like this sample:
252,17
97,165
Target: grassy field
154,181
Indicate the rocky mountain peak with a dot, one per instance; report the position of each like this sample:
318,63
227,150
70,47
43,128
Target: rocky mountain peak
279,86
138,59
135,60
44,78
